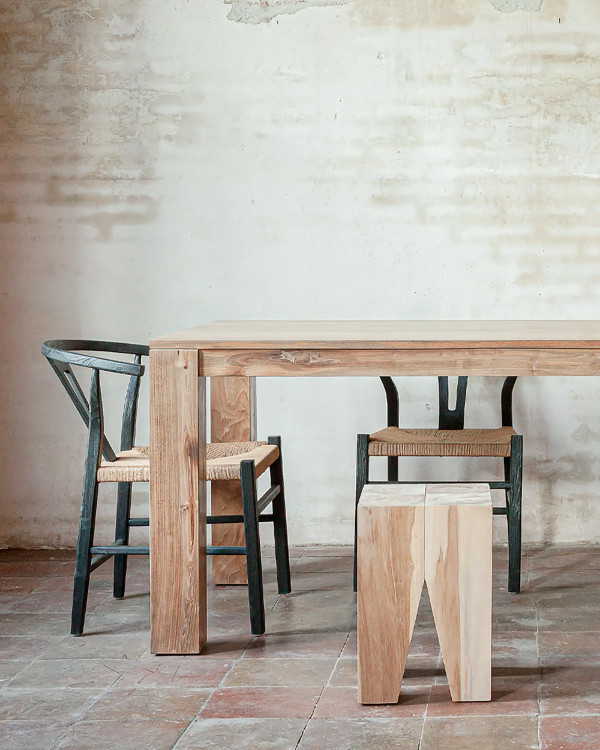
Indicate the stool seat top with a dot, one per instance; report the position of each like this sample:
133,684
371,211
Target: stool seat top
458,494
392,495
403,495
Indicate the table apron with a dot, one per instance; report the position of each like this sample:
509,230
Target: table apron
348,362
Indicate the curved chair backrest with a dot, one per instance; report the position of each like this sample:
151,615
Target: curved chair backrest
449,419
62,355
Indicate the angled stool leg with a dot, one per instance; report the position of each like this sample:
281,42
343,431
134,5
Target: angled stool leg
282,555
253,558
390,580
514,514
458,574
87,517
362,477
122,535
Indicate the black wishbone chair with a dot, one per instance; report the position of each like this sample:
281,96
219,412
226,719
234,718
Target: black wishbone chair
452,439
225,461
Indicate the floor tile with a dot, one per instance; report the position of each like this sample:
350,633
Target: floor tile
226,646
583,558
73,673
568,619
242,734
358,734
34,624
480,733
293,645
99,646
510,697
175,704
280,672
56,704
341,703
568,648
176,671
518,649
570,692
53,601
37,568
31,735
422,671
424,643
8,670
322,564
122,735
25,647
24,555
570,733
18,584
261,703
341,550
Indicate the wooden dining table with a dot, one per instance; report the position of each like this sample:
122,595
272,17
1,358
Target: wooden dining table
232,354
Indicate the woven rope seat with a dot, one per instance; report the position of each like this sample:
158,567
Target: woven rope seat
222,462
394,441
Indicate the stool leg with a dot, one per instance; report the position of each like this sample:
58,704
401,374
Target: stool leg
362,477
514,514
458,574
253,559
121,534
390,581
282,555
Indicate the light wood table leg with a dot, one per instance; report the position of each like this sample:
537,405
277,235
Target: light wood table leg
177,503
232,420
391,552
458,574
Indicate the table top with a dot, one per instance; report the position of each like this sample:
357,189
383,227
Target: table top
386,334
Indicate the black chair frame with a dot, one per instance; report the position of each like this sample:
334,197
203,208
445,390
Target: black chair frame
454,419
62,355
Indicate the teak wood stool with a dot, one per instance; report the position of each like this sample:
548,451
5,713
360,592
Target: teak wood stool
440,535
224,462
451,439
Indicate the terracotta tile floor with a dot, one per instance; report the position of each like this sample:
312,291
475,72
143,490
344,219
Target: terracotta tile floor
296,686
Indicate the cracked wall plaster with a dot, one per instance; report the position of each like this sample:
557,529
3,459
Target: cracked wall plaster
510,6
263,11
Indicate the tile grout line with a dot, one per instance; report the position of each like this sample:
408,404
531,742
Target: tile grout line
328,684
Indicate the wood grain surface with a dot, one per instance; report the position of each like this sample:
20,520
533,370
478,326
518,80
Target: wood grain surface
177,503
458,574
400,361
390,579
232,420
374,334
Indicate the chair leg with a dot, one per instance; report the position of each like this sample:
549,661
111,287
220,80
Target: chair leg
122,534
282,555
362,477
253,559
87,522
514,514
506,479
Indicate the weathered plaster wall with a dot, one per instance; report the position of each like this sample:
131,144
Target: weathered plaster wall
162,164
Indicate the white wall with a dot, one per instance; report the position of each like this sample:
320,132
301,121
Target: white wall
162,166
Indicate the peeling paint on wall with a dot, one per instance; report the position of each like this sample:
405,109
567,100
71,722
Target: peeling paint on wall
263,11
510,6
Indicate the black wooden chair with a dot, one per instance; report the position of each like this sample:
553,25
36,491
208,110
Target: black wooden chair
225,461
452,439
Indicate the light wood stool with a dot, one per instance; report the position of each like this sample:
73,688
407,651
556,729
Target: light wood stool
440,535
